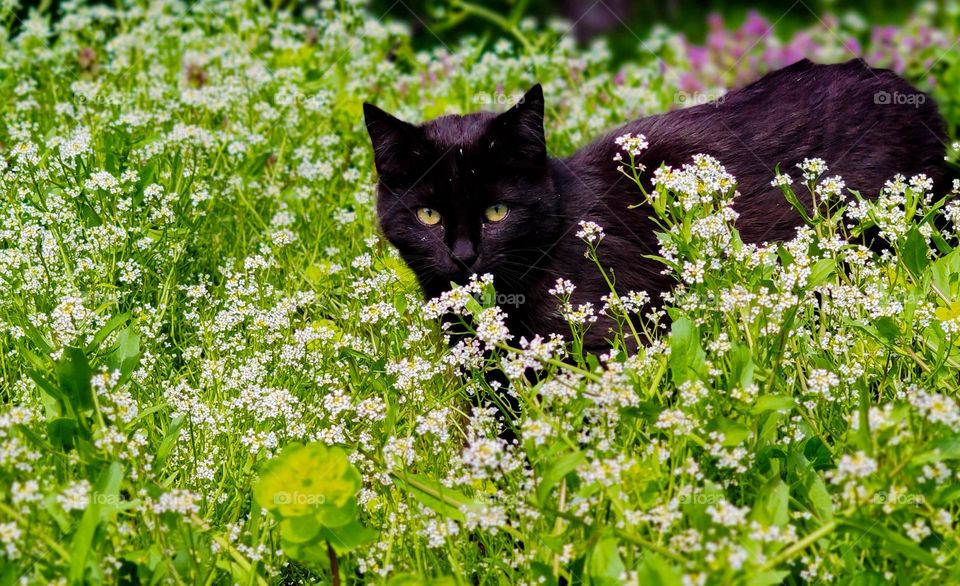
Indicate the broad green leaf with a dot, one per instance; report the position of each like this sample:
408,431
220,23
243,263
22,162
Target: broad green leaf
74,373
772,506
913,252
103,501
62,431
741,366
686,355
820,271
768,578
299,529
733,432
772,403
560,468
604,566
347,537
888,328
656,571
125,357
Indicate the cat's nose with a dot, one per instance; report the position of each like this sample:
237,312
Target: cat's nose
465,252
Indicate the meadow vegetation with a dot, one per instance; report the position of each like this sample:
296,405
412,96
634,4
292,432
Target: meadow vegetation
214,370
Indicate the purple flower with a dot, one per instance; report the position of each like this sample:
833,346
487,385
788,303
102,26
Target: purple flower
755,25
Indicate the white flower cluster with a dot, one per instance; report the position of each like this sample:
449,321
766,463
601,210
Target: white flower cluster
703,182
630,144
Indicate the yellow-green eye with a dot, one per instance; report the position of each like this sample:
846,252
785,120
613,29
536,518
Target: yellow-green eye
496,212
428,216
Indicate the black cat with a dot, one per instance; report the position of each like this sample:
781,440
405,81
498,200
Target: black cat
479,193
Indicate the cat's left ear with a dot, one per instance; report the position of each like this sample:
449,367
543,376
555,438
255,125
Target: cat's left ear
518,132
397,145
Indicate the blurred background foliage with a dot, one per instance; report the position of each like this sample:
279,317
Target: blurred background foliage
624,22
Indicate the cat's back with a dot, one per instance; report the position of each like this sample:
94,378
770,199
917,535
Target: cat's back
868,124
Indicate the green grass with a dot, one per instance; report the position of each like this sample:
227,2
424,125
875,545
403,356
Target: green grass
193,287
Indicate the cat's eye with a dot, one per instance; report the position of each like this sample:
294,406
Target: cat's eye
496,212
428,216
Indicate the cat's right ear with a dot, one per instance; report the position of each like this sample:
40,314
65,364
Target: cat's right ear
518,132
396,144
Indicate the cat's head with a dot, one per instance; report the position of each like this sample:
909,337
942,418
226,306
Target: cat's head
466,194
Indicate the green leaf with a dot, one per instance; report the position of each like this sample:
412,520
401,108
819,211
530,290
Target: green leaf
733,432
656,571
125,357
687,357
947,448
819,496
299,529
818,454
913,252
772,403
768,578
741,366
820,271
892,540
169,440
604,566
74,373
772,506
330,516
108,328
62,431
560,468
888,328
53,398
104,501
347,537
810,485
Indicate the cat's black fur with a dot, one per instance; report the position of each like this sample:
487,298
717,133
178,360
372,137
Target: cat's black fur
460,165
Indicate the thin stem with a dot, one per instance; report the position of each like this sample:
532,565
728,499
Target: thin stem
334,565
487,14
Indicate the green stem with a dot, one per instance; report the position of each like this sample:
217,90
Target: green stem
334,565
487,14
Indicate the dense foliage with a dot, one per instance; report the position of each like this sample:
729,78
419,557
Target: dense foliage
213,370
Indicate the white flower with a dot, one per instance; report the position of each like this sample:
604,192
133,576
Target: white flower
812,168
830,188
781,180
590,232
632,145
